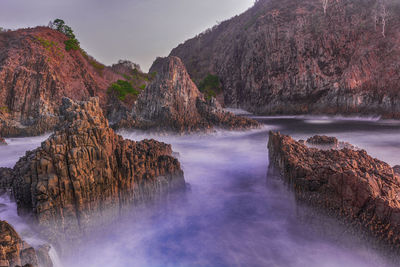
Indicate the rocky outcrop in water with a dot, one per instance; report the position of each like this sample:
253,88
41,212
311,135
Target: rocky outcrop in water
16,252
289,57
84,175
173,102
346,183
2,141
36,72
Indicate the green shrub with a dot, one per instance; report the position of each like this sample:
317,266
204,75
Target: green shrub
122,89
71,44
210,86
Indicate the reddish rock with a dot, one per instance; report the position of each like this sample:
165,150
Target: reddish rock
84,175
288,57
16,252
173,102
347,183
36,72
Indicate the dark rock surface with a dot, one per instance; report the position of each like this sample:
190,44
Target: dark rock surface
322,140
16,252
173,102
346,183
85,174
288,57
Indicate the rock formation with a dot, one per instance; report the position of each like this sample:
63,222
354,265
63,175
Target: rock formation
173,102
16,252
346,183
288,57
2,142
36,72
84,175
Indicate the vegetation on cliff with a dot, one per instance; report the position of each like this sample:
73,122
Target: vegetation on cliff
210,86
72,43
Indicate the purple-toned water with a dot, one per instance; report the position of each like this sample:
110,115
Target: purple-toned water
235,214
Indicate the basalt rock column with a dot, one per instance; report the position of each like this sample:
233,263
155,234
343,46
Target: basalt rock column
85,174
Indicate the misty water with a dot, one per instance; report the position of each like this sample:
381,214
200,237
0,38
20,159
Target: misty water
235,213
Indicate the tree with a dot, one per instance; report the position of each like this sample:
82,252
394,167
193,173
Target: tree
325,5
59,25
72,43
384,16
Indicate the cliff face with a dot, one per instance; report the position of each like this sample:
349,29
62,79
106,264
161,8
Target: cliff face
85,174
173,102
287,56
346,183
36,72
16,252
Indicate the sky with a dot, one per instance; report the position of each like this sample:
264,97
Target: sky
137,30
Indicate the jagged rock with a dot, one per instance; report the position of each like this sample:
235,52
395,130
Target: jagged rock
322,140
346,183
16,252
2,141
173,102
36,72
288,57
84,175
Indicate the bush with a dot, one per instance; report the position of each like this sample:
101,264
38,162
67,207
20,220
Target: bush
122,89
71,44
210,86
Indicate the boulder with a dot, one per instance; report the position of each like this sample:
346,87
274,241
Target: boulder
346,183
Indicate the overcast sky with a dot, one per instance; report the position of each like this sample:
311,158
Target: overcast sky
138,30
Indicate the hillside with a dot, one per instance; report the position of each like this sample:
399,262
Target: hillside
291,57
36,71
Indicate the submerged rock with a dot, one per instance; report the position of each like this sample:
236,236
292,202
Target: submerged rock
347,183
16,252
85,174
172,102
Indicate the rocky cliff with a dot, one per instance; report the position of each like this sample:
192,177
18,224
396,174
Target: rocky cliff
346,183
173,102
291,57
84,175
36,71
16,252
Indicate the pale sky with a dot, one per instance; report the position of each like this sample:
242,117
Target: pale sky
138,30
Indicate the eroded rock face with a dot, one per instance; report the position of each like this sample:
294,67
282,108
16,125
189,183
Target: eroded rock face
85,174
347,183
36,72
16,252
288,57
173,102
